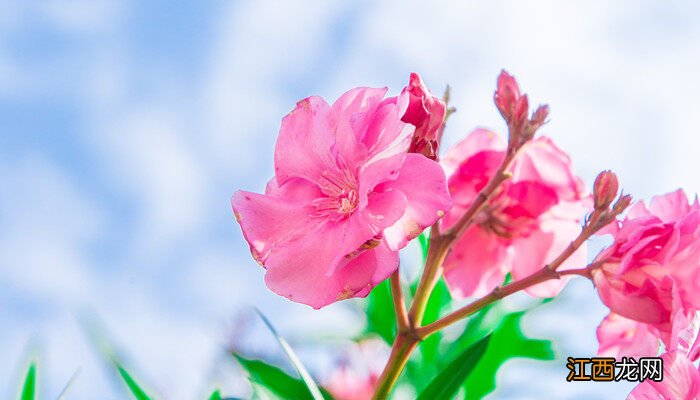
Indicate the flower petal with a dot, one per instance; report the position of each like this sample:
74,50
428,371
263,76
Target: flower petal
424,184
267,220
355,109
622,337
305,143
532,253
681,381
477,141
542,161
299,272
477,264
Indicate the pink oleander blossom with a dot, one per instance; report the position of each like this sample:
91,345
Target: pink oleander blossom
357,375
621,337
652,268
524,226
346,196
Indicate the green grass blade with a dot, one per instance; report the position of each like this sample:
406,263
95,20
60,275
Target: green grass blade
451,379
269,381
130,382
303,373
29,387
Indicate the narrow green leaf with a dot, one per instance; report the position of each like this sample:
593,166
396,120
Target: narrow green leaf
98,336
303,373
29,387
134,388
449,381
276,382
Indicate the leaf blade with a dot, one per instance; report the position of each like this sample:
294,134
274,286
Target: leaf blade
130,382
29,386
449,381
275,380
303,373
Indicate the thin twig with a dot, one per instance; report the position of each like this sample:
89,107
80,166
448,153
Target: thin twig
399,304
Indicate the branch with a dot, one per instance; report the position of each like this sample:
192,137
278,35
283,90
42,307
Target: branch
598,219
399,305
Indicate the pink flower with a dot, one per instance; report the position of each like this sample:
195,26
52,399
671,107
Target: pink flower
346,384
681,381
427,113
345,197
358,374
653,266
524,226
622,337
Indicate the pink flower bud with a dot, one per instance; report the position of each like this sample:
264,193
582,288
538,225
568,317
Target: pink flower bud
539,117
427,113
622,203
604,190
507,95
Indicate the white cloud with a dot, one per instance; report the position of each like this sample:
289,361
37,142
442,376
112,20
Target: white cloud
621,85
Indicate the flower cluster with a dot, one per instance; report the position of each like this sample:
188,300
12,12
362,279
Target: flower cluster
358,179
650,277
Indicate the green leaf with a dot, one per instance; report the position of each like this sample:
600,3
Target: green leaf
303,373
216,395
276,382
507,342
381,319
449,381
29,387
134,388
98,336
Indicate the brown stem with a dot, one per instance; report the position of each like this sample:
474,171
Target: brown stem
439,246
399,305
499,177
548,272
400,353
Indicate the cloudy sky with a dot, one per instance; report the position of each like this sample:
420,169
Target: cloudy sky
125,127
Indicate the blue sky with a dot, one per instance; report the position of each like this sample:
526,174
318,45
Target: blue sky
125,127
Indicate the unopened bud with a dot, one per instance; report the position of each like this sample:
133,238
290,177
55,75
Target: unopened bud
604,190
427,113
507,95
539,117
622,203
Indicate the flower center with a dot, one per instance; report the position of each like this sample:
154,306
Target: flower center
340,195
